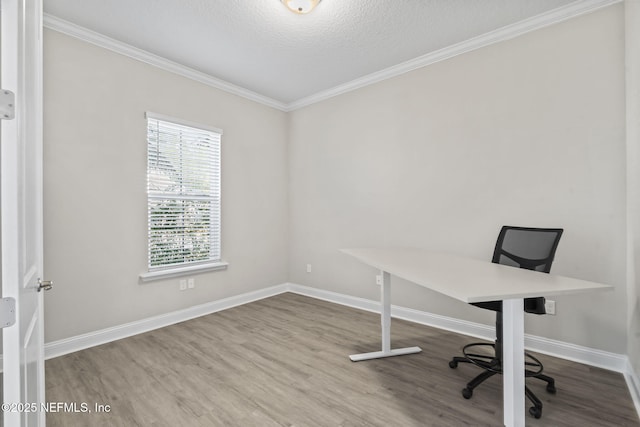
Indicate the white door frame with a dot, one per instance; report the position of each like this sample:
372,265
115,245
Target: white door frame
21,211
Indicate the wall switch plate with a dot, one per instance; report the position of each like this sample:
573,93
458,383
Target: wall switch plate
550,306
183,284
379,279
191,283
308,268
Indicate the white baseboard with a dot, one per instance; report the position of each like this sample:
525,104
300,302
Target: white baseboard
633,382
103,336
602,359
589,356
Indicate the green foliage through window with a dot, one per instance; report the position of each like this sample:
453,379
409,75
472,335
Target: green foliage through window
183,172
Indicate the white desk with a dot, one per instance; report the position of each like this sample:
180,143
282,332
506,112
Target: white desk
470,280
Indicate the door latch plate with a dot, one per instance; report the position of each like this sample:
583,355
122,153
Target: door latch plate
7,312
7,105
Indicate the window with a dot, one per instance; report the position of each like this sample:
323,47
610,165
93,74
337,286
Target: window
183,196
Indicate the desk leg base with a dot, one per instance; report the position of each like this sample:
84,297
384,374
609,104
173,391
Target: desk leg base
381,354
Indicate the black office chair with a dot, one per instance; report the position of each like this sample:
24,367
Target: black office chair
533,249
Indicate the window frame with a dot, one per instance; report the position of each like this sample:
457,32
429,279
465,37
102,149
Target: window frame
182,269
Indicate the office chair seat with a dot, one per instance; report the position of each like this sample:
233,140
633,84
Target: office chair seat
533,249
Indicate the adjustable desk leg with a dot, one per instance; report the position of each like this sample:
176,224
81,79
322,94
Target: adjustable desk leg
385,320
385,315
513,361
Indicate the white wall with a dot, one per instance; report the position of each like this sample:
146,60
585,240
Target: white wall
525,132
95,182
632,48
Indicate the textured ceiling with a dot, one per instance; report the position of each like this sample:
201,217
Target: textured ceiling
261,46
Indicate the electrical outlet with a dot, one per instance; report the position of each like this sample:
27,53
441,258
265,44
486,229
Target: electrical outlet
183,284
191,283
550,306
308,268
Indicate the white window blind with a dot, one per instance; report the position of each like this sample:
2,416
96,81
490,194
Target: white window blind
183,176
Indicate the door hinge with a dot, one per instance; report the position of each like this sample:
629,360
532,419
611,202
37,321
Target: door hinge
7,312
7,105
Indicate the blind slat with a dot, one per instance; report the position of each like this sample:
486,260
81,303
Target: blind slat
183,188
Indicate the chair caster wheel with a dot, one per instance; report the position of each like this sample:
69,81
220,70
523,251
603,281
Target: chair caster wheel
551,388
467,393
453,364
535,412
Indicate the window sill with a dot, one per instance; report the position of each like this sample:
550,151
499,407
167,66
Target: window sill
182,271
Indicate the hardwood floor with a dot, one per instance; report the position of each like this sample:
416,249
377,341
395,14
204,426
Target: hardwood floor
282,361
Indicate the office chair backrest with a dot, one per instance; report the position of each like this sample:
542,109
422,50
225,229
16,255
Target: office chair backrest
530,248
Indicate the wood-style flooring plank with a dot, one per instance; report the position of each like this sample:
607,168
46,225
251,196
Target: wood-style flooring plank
283,361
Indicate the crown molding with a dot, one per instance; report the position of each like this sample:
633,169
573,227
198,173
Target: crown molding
572,10
103,41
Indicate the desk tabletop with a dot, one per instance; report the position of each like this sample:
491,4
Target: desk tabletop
469,280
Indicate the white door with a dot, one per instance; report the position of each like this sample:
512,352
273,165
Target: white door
21,211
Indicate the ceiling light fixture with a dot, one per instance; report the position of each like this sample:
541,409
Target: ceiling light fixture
300,6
